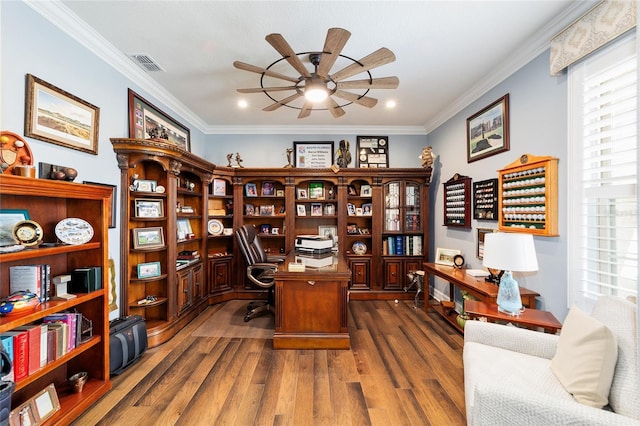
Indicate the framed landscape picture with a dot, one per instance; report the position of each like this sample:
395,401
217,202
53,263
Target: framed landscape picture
488,130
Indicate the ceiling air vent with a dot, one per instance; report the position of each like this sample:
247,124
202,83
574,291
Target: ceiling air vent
146,62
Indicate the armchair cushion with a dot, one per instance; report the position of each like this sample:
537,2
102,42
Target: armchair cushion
586,358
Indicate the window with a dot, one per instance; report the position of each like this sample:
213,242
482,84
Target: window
603,174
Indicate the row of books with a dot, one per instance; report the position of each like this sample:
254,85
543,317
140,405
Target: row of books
32,278
31,347
402,245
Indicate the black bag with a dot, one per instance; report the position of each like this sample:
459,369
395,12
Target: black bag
127,341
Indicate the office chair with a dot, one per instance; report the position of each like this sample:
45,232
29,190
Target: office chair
260,268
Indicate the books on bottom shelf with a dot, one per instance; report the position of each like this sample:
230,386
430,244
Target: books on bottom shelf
402,245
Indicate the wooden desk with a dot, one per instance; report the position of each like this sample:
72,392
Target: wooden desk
311,306
475,286
531,318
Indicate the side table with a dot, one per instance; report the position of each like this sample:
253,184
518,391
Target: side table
529,318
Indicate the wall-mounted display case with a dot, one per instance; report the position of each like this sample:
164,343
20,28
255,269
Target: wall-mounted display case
485,199
457,201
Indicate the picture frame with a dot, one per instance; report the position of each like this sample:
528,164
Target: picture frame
359,211
480,234
183,229
56,116
114,201
268,189
301,210
316,191
219,187
352,191
351,209
37,409
149,270
445,256
148,238
8,220
372,151
250,190
146,121
145,185
148,208
330,231
316,209
265,228
267,210
488,130
249,210
367,209
301,194
313,155
365,191
279,192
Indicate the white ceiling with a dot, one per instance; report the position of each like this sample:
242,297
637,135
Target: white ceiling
448,52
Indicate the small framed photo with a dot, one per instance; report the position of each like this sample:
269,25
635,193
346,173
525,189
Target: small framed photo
316,209
268,210
45,403
351,209
279,192
365,191
183,228
445,256
146,208
148,238
250,190
359,211
265,228
480,241
219,187
145,185
8,220
316,191
268,189
367,209
249,210
149,270
301,194
301,209
275,231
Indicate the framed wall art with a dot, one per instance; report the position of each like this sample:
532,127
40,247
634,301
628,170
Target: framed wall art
55,116
148,238
480,241
146,121
445,256
313,155
149,270
148,208
488,130
372,151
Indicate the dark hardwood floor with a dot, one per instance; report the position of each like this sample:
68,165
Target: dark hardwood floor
404,368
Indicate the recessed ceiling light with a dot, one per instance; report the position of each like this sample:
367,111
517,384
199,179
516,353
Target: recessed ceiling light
391,104
242,103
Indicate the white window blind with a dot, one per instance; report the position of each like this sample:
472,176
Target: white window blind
603,174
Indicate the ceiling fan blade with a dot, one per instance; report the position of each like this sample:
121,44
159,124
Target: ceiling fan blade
284,101
333,45
266,89
280,44
306,110
356,99
334,108
378,58
374,83
253,68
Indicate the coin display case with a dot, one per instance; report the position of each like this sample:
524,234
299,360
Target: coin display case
457,201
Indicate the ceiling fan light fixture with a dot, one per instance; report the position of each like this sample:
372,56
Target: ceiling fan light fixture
315,92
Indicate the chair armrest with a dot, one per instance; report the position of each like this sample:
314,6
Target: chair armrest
274,258
515,339
496,405
263,266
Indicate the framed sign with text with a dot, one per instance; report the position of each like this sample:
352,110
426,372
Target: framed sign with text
313,155
372,151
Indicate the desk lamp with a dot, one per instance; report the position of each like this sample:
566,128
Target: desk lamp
509,252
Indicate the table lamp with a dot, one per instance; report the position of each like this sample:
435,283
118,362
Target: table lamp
509,252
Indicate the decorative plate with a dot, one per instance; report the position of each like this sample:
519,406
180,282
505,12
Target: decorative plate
28,233
359,248
74,231
215,227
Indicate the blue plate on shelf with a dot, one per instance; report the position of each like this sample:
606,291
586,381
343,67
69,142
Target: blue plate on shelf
359,248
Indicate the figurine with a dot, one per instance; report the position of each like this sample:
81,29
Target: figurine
427,157
238,160
343,155
229,159
289,152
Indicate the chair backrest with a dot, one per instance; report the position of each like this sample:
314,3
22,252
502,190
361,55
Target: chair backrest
250,245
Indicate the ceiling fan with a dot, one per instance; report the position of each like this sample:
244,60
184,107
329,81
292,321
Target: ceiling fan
319,87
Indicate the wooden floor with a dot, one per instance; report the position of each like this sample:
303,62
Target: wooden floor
404,368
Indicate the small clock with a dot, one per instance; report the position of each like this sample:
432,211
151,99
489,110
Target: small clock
458,261
28,233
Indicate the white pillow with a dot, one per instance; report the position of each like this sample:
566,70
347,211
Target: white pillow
585,358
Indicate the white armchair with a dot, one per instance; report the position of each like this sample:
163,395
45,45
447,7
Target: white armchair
508,377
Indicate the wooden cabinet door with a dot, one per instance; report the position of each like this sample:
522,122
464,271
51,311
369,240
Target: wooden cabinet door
393,274
359,273
184,292
219,275
197,282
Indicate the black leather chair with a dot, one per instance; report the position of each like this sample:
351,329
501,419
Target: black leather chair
260,268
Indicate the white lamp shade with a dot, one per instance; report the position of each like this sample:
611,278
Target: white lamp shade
510,252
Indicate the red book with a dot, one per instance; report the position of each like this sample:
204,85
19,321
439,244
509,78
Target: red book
35,335
20,354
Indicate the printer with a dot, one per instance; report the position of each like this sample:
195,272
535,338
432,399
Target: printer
313,244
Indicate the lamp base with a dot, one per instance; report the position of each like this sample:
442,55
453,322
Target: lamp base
509,300
513,314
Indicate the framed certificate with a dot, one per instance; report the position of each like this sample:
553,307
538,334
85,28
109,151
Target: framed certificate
372,151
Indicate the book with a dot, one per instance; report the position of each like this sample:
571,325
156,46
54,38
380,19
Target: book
52,344
60,345
20,354
27,278
69,320
7,344
35,333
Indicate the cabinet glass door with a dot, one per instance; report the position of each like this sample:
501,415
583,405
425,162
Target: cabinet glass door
392,207
412,208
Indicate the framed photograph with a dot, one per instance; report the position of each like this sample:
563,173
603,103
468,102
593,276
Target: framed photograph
219,187
351,190
275,231
148,238
250,190
372,151
114,201
8,220
351,209
488,130
445,256
367,209
146,121
249,210
316,209
268,189
365,191
144,185
359,211
316,191
267,210
279,192
265,228
149,270
183,228
313,155
301,194
301,209
480,241
55,116
330,231
148,208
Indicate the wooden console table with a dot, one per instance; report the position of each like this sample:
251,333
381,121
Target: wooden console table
530,318
475,286
311,306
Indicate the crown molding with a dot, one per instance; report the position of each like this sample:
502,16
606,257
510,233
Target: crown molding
317,130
